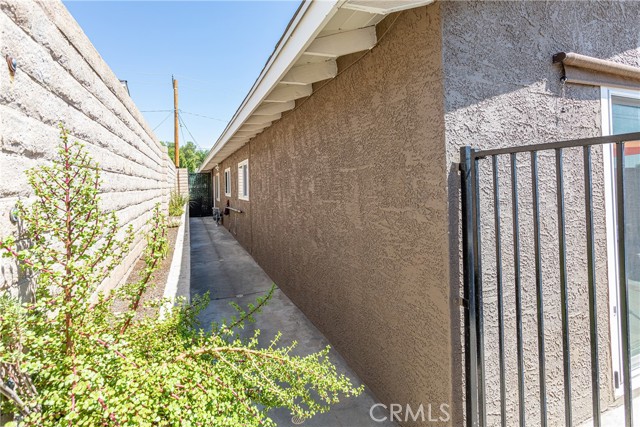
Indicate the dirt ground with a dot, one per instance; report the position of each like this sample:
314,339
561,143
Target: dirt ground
158,281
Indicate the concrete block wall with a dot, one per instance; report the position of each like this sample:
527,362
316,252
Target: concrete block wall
182,181
172,174
61,78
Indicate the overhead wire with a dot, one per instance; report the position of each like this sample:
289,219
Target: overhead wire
163,120
181,122
206,117
205,82
181,76
187,128
181,131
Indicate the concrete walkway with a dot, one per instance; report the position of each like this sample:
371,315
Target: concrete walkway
222,267
614,417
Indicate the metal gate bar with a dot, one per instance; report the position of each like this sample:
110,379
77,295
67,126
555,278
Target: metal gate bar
539,294
591,268
496,219
564,300
482,401
468,260
472,269
518,284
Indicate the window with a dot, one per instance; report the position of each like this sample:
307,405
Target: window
243,180
621,114
227,182
216,186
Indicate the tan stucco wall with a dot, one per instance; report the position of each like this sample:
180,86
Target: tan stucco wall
348,212
354,206
503,90
239,224
61,78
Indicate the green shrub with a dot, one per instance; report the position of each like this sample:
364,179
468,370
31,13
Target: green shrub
176,203
67,358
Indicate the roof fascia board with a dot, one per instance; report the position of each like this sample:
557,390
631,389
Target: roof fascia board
305,26
370,7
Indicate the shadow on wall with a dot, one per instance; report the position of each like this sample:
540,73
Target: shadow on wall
25,285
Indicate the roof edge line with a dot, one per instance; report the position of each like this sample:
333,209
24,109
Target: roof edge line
305,25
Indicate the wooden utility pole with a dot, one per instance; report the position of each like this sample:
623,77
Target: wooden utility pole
175,123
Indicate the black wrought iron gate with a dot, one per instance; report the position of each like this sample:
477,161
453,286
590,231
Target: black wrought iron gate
200,194
481,189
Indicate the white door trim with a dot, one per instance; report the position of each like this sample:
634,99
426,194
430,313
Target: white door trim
611,219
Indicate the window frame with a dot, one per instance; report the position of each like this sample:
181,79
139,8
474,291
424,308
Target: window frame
227,182
243,168
606,104
216,186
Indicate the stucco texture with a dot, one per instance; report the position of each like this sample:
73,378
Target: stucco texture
503,90
239,224
348,211
61,78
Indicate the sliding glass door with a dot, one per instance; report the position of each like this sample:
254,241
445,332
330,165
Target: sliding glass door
623,116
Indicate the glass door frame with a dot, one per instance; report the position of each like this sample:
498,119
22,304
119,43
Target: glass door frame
612,248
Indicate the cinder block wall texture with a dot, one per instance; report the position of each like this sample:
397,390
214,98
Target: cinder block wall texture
182,180
61,78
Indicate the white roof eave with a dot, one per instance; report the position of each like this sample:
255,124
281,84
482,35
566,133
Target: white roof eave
347,33
305,26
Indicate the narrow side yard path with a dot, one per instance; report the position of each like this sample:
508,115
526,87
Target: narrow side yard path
220,266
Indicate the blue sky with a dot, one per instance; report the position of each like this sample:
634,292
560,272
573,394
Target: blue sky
215,50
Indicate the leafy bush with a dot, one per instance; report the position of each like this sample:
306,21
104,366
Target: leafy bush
191,156
67,358
176,203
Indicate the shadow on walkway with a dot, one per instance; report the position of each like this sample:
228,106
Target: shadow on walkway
220,266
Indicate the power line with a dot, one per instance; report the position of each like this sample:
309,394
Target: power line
149,74
163,120
181,131
184,112
206,117
182,76
187,128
